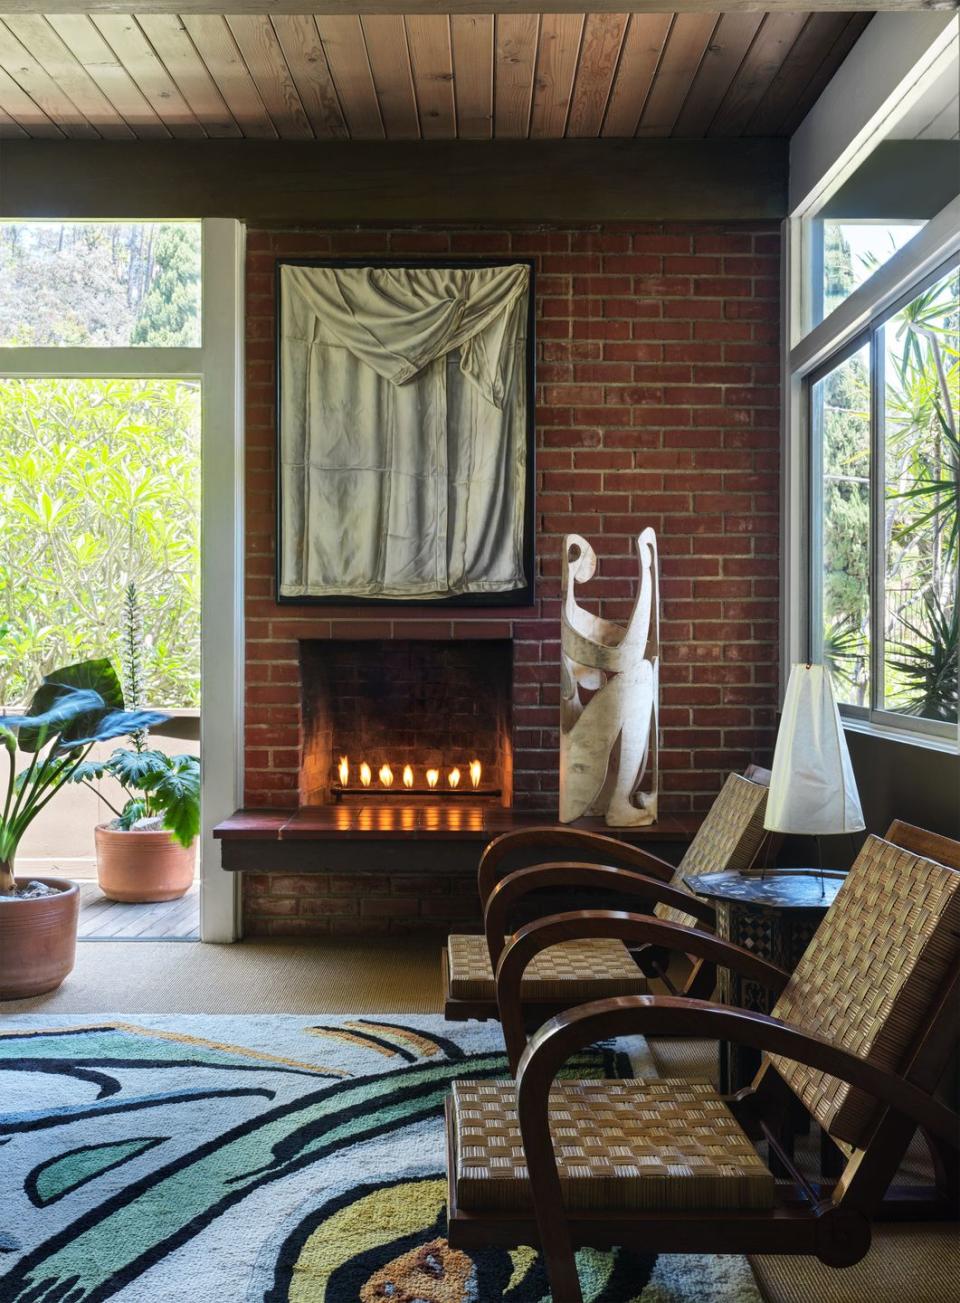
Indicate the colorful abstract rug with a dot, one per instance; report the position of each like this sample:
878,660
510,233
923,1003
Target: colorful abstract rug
277,1159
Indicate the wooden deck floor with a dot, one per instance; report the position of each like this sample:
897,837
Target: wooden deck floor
110,920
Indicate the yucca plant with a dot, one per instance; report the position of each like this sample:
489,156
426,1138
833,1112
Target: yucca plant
73,709
929,666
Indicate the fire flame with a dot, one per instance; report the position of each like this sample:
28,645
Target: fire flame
433,777
386,775
407,776
343,769
476,769
453,778
365,774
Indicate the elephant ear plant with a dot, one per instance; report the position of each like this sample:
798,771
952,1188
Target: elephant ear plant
73,709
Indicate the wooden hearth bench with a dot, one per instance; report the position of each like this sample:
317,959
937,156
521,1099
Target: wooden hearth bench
390,835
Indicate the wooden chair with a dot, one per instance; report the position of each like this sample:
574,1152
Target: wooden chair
730,837
860,1035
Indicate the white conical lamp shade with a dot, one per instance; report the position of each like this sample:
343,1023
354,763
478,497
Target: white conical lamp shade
812,788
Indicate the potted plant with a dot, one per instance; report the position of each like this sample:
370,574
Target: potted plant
73,709
147,852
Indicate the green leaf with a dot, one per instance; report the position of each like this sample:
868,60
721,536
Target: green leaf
63,709
118,723
178,795
95,677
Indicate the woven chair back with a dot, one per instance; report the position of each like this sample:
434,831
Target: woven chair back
729,838
870,977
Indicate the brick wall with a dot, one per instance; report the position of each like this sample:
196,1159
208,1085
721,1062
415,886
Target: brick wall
657,404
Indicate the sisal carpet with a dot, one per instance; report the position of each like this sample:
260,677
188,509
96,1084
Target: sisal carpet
279,1159
328,975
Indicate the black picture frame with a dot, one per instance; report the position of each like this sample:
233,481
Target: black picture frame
519,597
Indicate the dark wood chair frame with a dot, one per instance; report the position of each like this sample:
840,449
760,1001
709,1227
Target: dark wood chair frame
831,1221
638,874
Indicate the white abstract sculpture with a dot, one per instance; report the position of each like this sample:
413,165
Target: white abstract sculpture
609,694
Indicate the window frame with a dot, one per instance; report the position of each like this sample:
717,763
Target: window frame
871,334
217,364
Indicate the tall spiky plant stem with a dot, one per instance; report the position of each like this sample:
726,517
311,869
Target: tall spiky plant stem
132,662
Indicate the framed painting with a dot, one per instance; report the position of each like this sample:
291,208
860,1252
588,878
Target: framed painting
405,432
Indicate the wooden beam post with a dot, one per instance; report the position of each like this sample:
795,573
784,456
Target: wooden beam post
440,181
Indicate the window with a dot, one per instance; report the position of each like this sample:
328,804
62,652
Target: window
99,284
100,490
885,488
906,176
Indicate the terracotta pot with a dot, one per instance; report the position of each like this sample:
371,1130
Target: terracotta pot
38,940
140,866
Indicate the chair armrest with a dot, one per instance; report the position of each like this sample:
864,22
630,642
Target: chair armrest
600,877
656,1015
639,928
593,844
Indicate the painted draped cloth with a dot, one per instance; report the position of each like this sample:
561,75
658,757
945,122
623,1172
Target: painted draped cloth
403,412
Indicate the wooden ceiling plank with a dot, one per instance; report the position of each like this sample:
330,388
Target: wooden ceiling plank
762,62
835,56
431,56
137,55
213,41
724,55
172,43
257,42
101,64
686,46
19,63
349,66
558,52
386,40
515,41
599,56
35,33
303,51
643,48
349,7
808,52
471,37
17,106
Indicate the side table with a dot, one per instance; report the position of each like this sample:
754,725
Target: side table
774,916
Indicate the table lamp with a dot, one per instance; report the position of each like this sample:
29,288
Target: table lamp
812,787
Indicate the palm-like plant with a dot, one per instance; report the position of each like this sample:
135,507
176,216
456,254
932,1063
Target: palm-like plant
928,665
73,709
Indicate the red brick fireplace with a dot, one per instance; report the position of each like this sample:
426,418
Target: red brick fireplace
414,713
657,404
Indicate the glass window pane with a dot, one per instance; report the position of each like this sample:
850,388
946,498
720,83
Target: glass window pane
853,251
100,488
841,428
106,284
921,402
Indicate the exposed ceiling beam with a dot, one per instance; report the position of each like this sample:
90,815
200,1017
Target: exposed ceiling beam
435,181
340,7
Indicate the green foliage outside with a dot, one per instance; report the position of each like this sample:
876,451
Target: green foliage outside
921,402
100,487
85,284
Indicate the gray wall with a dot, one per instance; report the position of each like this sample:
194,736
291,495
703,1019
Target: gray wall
900,781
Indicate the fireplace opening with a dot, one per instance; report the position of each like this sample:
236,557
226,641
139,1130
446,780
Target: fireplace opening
406,719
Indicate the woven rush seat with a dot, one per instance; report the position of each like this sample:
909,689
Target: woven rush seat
620,1145
582,970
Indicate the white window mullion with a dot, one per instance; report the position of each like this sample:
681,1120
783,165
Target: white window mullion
101,363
